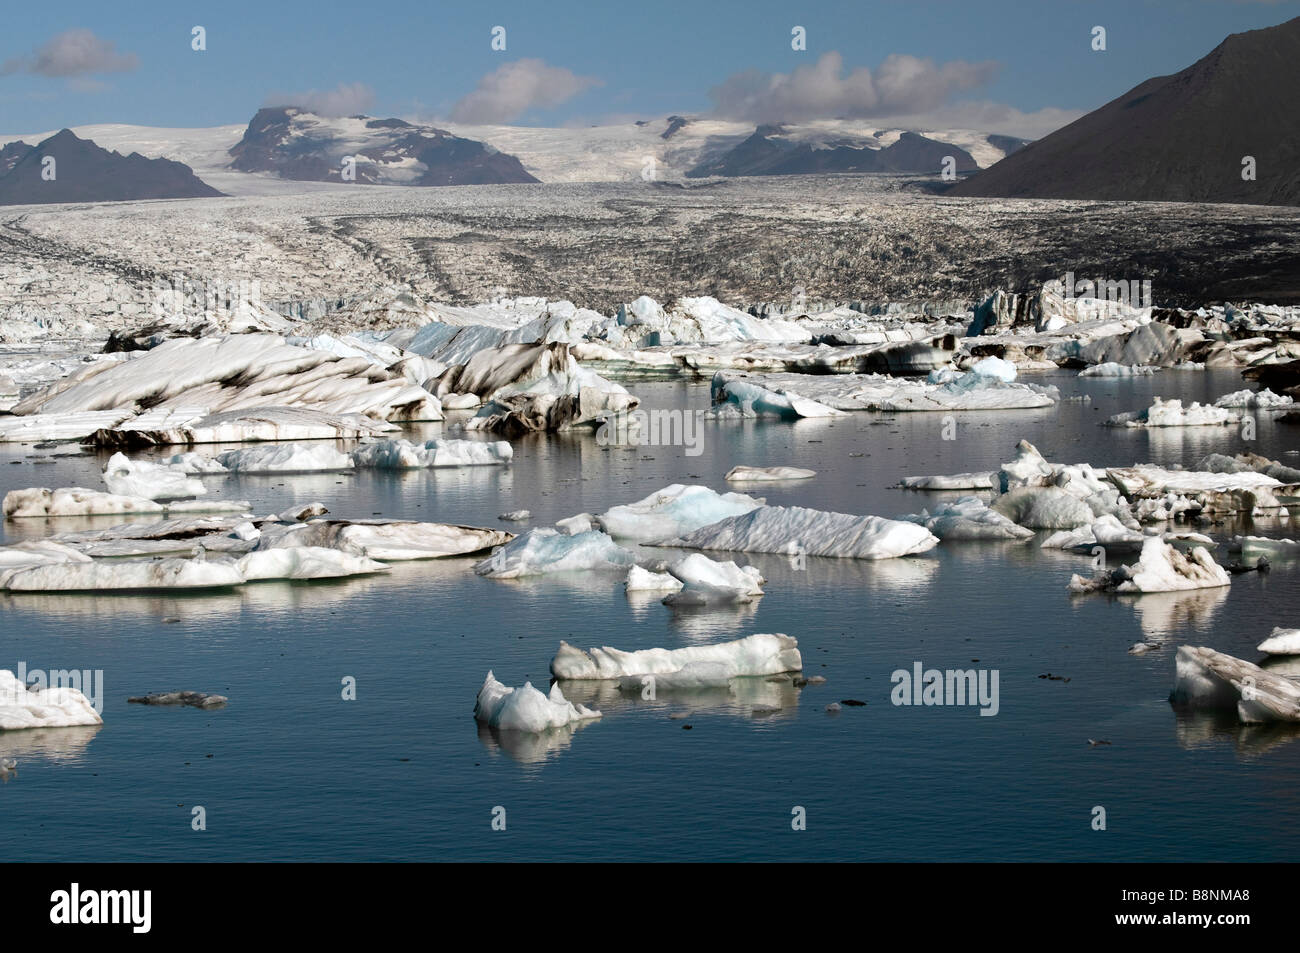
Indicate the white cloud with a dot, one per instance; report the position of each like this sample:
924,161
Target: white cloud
346,99
73,53
513,89
822,90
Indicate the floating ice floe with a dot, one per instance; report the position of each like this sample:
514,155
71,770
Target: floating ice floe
673,511
1216,492
1107,532
797,530
80,501
579,523
564,400
1253,546
21,707
305,562
953,481
37,552
638,580
1043,507
150,481
526,709
994,367
64,426
236,372
1256,400
968,518
707,581
116,575
1172,413
1281,642
1112,369
404,455
742,398
285,458
164,427
1248,463
1160,568
1207,679
543,550
385,540
516,516
753,394
691,666
742,474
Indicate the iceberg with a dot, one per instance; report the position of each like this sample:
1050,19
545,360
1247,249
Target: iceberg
545,550
563,400
232,372
795,529
251,425
385,540
638,580
1281,642
1043,507
741,398
1171,413
404,455
123,574
150,481
968,518
744,474
1113,369
21,707
38,502
285,458
526,709
710,582
62,426
1242,492
673,511
1255,400
1160,568
953,481
754,655
1213,680
305,562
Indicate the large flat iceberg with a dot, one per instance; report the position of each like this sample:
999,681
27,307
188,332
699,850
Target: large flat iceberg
754,655
795,530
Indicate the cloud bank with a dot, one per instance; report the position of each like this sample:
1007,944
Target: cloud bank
73,53
822,90
346,99
511,90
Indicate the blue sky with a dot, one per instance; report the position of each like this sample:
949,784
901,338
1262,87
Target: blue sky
586,62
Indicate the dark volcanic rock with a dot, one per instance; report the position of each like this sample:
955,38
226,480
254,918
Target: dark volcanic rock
83,172
12,154
769,152
295,144
1179,138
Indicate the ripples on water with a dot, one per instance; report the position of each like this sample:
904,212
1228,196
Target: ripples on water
290,770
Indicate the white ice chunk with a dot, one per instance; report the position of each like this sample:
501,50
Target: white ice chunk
526,709
285,458
1281,642
639,580
760,654
404,455
42,708
545,550
673,511
151,481
305,562
742,474
796,530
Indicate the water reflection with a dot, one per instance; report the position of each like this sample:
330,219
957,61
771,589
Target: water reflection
49,744
1203,729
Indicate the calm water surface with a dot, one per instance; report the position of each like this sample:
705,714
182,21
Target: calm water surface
291,771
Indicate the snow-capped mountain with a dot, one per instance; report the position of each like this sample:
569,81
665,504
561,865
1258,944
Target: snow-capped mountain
661,149
296,144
